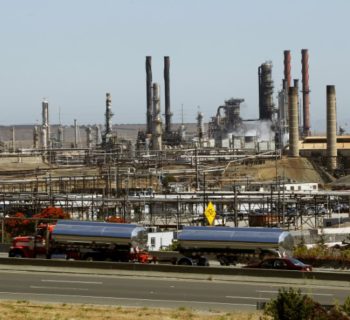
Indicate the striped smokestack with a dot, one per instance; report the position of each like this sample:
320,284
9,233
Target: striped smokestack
331,129
306,91
149,94
293,122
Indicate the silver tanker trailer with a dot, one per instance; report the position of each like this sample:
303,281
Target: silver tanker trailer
231,245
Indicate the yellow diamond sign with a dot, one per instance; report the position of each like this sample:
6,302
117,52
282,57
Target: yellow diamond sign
210,213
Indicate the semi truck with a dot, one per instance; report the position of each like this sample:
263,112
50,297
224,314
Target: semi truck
84,240
198,244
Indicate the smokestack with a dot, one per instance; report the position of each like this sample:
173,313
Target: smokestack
45,141
75,134
157,121
168,113
13,139
266,105
306,91
331,129
97,135
88,137
60,137
283,105
108,116
296,85
149,94
200,128
43,138
35,138
287,67
293,122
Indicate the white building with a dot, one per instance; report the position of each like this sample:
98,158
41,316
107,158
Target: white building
159,240
306,187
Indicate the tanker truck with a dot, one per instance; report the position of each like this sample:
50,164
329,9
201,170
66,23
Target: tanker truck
84,240
198,244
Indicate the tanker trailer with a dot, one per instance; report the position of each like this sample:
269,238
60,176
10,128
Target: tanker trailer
85,240
231,245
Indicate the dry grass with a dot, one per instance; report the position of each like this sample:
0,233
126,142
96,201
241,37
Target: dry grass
24,310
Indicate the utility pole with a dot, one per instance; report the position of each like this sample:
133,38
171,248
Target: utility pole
235,205
197,177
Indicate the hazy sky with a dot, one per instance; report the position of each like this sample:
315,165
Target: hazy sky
74,51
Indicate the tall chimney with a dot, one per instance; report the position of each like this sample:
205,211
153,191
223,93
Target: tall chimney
43,137
157,121
45,141
331,129
97,134
306,91
13,139
108,116
75,134
287,67
88,137
293,122
266,105
60,136
168,113
200,128
35,138
149,94
296,85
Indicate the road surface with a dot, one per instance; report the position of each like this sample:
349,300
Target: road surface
149,292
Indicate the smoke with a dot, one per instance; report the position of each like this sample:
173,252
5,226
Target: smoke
261,129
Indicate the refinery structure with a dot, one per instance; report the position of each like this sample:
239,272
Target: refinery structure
167,173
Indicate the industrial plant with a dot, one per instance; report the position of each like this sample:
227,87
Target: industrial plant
255,171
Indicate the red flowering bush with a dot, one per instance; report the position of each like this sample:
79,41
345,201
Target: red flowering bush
18,225
52,213
115,219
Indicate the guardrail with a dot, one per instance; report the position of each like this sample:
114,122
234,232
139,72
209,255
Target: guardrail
263,273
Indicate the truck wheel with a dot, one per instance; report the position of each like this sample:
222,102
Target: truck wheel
203,262
16,254
185,262
89,258
223,261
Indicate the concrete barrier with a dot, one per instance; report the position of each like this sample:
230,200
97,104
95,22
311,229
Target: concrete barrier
262,273
5,247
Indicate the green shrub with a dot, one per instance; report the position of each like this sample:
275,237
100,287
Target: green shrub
290,304
346,306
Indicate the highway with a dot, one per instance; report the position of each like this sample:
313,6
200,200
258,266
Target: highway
160,291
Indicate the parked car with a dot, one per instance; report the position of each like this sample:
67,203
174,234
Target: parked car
282,264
